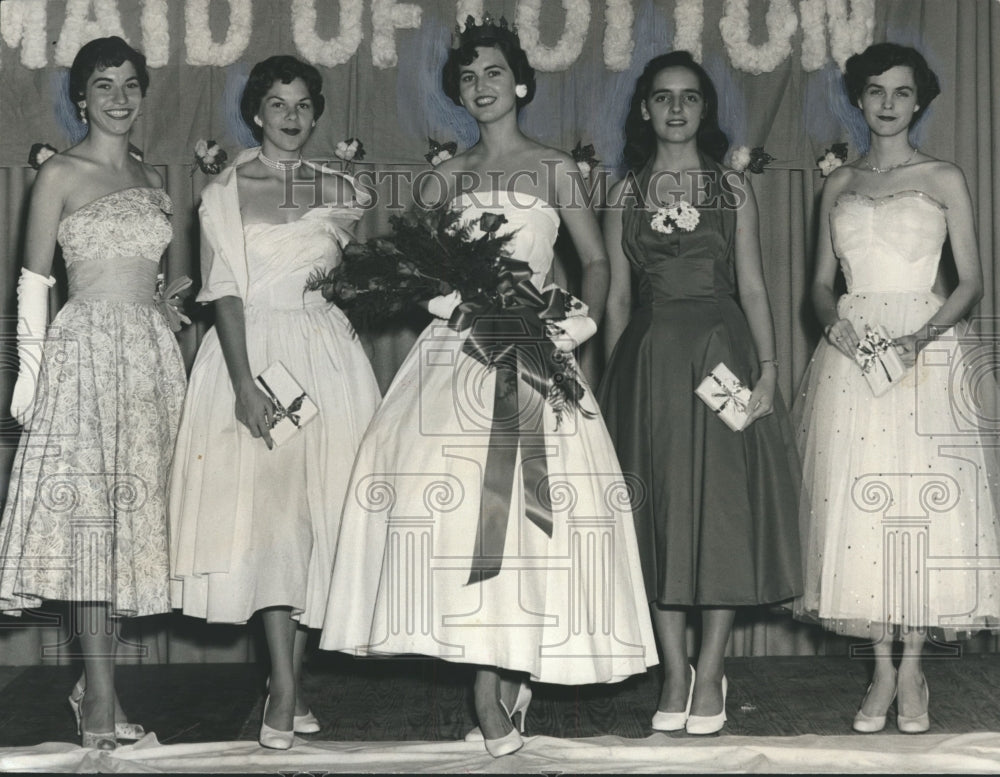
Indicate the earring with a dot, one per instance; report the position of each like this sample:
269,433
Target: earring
257,121
313,124
521,90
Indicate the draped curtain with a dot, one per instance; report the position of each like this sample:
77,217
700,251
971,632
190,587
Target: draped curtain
964,126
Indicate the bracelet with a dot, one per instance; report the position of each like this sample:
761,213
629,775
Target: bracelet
769,361
826,330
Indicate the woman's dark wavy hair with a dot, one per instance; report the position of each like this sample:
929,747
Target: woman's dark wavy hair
99,54
498,37
640,140
282,68
878,58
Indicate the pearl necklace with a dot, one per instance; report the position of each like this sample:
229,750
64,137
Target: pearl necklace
278,164
890,168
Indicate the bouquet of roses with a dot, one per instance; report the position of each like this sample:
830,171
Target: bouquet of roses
428,253
433,253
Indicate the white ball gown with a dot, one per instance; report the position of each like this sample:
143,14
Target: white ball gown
564,601
899,490
251,527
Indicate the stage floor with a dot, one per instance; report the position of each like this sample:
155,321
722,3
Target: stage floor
789,714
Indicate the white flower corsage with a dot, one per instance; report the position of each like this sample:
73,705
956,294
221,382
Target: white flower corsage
350,150
682,215
440,152
585,157
209,156
834,157
39,153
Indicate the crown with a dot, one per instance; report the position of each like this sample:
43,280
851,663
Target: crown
490,27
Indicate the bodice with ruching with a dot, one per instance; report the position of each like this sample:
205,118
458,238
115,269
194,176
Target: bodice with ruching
534,222
112,245
681,265
280,257
888,244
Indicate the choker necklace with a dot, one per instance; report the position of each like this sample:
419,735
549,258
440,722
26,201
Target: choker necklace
276,164
881,170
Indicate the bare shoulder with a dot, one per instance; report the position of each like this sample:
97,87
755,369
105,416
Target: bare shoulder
839,181
947,175
547,155
152,175
439,184
59,175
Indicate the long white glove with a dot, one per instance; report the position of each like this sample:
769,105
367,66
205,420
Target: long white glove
576,330
444,305
32,321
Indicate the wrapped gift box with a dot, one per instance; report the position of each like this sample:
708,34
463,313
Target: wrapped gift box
879,362
726,394
293,408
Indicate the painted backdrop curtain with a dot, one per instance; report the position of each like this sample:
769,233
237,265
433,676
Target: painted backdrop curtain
793,114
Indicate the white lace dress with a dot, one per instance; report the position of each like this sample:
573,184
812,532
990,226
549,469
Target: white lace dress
85,518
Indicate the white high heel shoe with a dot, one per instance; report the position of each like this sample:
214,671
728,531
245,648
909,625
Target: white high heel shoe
511,742
709,724
916,724
301,724
675,721
870,724
124,731
272,737
521,704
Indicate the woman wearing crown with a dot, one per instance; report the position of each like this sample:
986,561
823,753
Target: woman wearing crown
481,518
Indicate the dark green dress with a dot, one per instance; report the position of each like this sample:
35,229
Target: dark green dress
716,511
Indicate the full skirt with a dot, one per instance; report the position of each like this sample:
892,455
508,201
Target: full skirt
566,608
899,491
250,527
85,518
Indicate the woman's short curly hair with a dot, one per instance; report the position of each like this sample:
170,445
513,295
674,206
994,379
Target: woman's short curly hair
878,58
99,54
282,68
494,36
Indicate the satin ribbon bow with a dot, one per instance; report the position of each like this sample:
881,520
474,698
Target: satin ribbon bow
728,394
869,352
280,411
509,334
175,317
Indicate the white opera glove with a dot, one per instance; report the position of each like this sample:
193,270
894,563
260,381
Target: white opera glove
572,332
32,321
444,305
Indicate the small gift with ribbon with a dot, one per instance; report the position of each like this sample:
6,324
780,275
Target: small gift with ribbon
879,362
726,395
292,407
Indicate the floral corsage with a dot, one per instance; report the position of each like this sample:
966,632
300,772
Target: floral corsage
440,152
350,150
39,153
834,157
209,156
753,159
585,157
682,215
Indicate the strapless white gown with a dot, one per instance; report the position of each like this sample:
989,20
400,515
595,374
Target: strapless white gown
570,608
251,527
899,491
